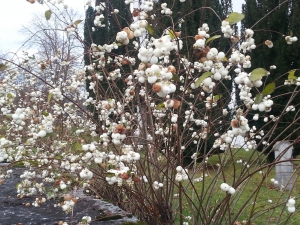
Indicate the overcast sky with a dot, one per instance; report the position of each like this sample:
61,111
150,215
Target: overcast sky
17,13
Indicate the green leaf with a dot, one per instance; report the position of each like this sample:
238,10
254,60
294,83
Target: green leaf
58,157
291,75
50,97
52,134
74,128
150,29
77,146
77,22
212,38
45,113
176,77
258,73
202,78
258,98
48,14
160,106
269,89
217,97
234,18
110,174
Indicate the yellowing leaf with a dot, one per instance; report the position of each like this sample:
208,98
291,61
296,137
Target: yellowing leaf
50,97
258,73
160,106
172,34
150,29
217,97
2,67
212,38
258,98
225,59
9,95
77,146
202,78
45,113
234,18
48,14
291,75
269,89
77,22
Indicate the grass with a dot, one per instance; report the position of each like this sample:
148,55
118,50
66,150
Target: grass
252,196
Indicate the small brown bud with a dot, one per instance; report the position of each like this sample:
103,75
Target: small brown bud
136,178
176,104
156,87
177,34
67,197
172,69
235,123
197,37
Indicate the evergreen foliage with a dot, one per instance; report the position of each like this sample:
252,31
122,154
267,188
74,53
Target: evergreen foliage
104,35
282,21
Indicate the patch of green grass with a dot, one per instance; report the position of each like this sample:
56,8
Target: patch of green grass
255,197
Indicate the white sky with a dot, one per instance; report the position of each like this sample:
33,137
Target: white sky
15,13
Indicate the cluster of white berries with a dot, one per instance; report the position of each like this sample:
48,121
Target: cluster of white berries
122,37
19,116
265,105
147,6
165,9
275,182
226,29
248,44
69,31
68,205
38,201
139,27
269,43
290,40
237,57
98,21
290,108
99,18
117,138
114,74
291,205
156,185
86,174
56,94
85,220
129,1
292,81
182,174
210,102
45,127
4,110
202,31
226,187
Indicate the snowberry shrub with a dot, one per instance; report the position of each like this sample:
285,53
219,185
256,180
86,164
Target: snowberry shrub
132,148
